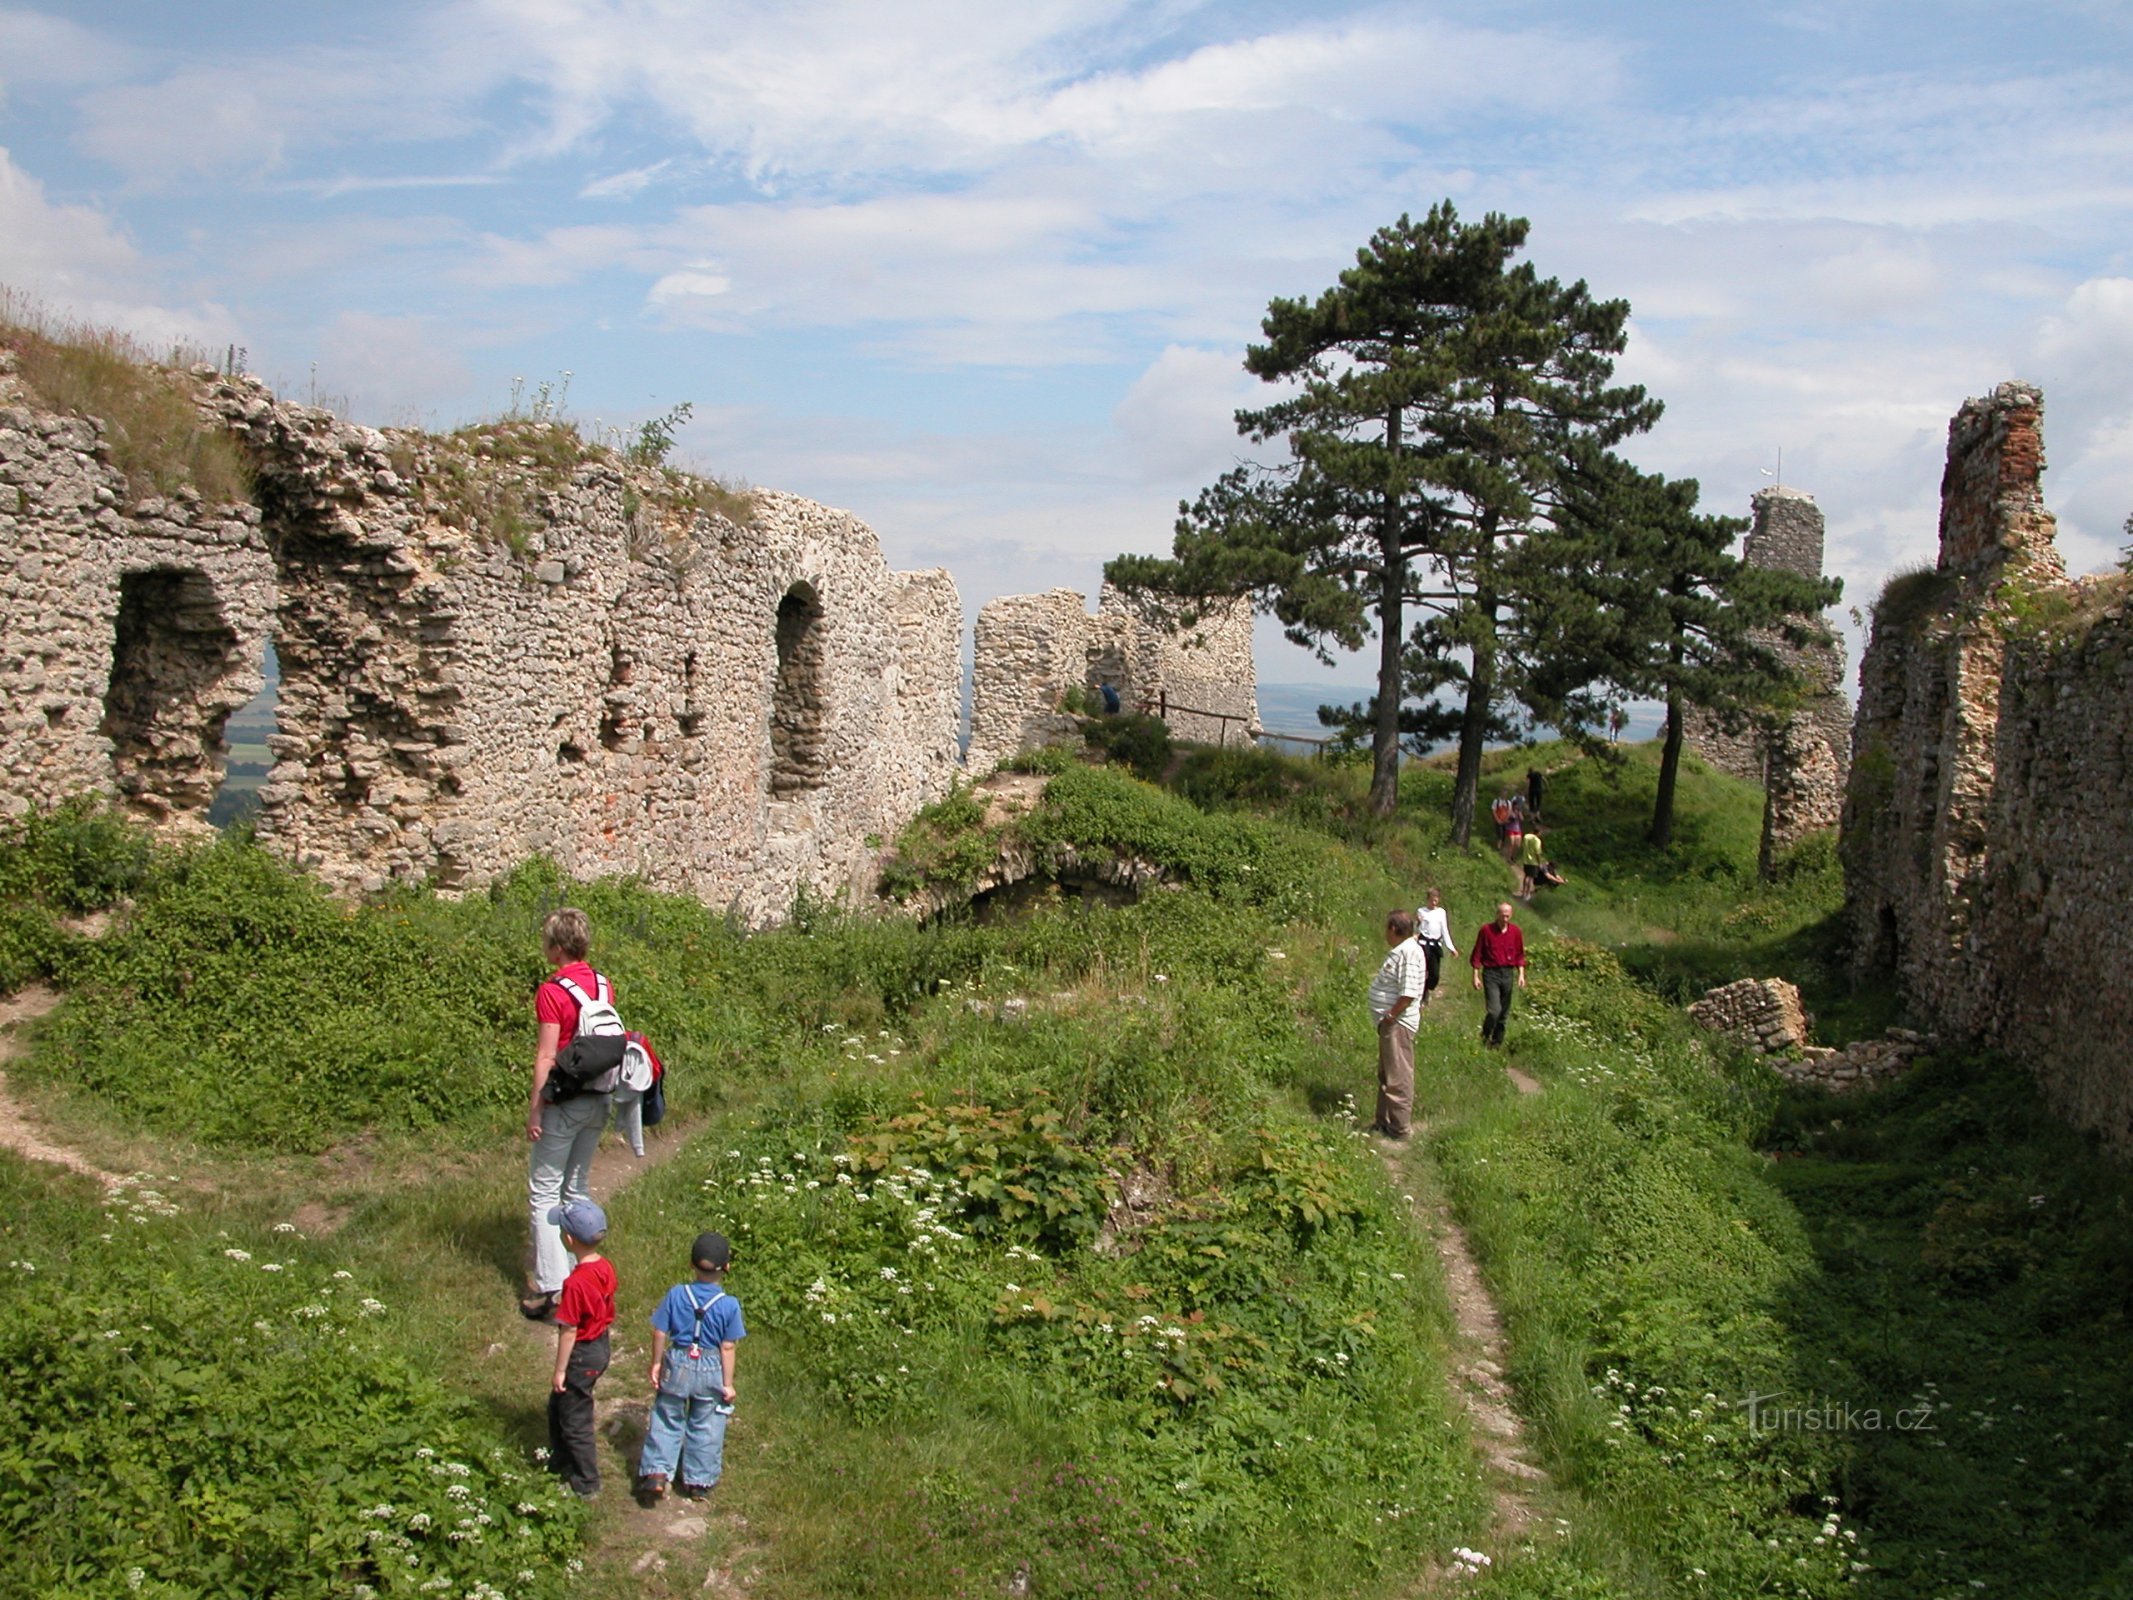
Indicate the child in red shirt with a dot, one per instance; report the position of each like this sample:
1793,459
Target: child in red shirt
583,1315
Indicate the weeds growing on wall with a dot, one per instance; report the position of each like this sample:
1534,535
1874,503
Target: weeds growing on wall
145,399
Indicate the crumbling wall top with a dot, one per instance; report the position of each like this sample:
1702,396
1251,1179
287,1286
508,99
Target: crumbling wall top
1992,492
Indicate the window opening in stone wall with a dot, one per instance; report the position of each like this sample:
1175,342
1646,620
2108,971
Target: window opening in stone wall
691,720
248,755
799,745
615,715
172,647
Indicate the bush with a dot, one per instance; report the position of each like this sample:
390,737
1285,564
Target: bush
187,1415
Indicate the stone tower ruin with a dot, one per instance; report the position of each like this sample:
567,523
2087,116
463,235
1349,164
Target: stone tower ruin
1802,761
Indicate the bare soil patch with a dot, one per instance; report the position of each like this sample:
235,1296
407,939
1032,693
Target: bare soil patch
18,1132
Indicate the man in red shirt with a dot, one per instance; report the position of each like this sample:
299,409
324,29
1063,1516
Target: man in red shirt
1499,966
583,1314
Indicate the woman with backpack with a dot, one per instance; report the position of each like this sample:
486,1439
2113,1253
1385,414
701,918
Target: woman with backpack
567,1112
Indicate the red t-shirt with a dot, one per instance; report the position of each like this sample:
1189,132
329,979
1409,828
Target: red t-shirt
588,1302
552,1002
1499,948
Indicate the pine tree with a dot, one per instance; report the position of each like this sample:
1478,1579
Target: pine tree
1440,393
1661,608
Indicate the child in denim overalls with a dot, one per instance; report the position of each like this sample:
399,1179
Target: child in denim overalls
694,1333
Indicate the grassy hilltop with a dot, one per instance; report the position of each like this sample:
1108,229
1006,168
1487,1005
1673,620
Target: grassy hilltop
1066,1268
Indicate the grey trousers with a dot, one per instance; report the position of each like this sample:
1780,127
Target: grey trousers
1396,1080
1498,985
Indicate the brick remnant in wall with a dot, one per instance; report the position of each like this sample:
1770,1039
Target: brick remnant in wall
1031,649
1764,1017
1802,762
1988,860
493,645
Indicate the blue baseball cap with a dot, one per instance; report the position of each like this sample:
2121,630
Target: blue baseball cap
583,1220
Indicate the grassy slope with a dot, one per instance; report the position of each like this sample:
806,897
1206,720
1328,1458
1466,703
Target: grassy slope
1646,1253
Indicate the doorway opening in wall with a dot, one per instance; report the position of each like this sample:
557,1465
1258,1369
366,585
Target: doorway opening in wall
173,654
245,736
799,708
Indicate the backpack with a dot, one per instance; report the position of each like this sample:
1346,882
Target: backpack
591,1063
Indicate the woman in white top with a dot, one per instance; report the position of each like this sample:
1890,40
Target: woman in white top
1433,932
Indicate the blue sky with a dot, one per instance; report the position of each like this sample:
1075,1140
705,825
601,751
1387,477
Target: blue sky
983,274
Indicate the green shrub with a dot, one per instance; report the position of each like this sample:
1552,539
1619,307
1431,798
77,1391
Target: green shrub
1136,740
191,1415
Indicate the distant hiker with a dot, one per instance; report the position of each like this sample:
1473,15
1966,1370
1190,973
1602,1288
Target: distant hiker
1518,810
1499,961
694,1335
1534,782
1500,813
1530,861
1111,701
1395,1000
584,1312
564,1131
1514,841
1433,932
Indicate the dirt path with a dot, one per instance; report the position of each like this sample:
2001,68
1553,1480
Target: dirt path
663,1547
17,1132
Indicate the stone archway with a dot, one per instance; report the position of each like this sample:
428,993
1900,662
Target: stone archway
799,701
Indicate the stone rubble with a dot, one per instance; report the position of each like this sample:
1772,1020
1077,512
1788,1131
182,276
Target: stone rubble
1764,1017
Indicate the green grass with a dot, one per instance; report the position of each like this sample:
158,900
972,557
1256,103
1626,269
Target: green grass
1664,1231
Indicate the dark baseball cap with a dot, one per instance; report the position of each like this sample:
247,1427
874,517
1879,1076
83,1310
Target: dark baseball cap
711,1250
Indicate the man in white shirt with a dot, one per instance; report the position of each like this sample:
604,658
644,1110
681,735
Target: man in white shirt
1433,932
1395,1001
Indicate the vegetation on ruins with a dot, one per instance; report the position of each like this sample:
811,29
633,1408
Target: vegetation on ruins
1067,1270
1437,397
144,398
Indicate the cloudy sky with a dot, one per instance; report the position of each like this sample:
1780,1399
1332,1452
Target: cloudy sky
984,273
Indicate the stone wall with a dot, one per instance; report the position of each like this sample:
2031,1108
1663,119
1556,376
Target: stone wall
1988,829
134,628
494,645
1031,649
1801,763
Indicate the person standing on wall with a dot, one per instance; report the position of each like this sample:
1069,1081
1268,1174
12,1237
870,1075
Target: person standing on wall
1395,999
564,1133
1433,932
1499,962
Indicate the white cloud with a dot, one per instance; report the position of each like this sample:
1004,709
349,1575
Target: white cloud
82,265
1176,422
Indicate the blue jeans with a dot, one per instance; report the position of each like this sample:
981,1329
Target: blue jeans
556,1172
685,1419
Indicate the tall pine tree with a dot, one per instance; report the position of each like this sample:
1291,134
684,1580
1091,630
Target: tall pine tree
1661,608
1439,393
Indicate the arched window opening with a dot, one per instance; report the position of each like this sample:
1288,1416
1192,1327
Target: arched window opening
173,653
799,710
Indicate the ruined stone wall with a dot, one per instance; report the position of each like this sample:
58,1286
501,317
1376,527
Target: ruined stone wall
491,646
1801,763
1988,831
1032,649
133,629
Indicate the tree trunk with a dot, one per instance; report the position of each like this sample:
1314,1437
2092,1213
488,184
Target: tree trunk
1661,832
1480,691
1392,587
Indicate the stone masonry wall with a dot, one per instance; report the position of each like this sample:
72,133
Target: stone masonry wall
1031,649
1801,764
491,646
133,629
1988,832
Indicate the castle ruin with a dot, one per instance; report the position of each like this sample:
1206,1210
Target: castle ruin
494,645
1985,850
1801,762
1034,649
